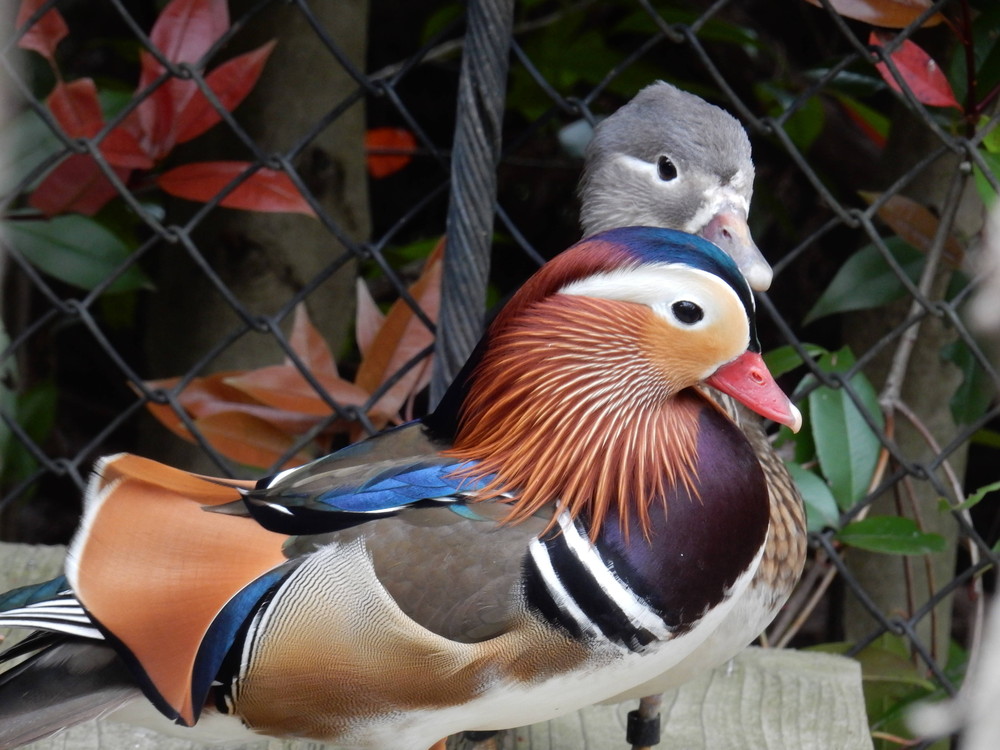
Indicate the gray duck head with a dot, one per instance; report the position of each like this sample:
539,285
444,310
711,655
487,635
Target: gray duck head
670,159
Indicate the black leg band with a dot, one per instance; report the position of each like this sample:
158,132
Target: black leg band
642,732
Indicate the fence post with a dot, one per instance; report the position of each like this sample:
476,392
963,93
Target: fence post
475,154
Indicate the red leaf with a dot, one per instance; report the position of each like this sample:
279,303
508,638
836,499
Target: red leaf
153,121
400,338
866,127
46,34
389,150
307,342
122,149
203,396
918,70
249,439
916,224
187,29
76,108
891,14
77,184
283,387
265,190
165,413
207,396
369,319
230,82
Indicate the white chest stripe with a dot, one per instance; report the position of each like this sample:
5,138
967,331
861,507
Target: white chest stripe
560,595
635,609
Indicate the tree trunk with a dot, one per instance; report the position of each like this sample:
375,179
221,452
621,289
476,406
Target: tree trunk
896,584
265,259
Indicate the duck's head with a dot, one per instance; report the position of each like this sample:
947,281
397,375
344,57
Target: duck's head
579,372
670,159
671,300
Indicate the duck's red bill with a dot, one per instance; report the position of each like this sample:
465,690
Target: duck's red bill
748,380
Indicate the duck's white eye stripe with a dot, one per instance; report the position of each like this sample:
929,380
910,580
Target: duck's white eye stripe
653,285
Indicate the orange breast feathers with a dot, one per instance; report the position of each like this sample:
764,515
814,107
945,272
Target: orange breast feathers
572,406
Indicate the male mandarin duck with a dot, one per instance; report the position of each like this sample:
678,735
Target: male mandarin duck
572,521
670,159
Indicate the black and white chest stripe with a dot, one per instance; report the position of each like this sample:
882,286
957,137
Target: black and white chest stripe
570,584
63,613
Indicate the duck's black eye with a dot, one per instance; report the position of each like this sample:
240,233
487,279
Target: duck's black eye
687,312
665,169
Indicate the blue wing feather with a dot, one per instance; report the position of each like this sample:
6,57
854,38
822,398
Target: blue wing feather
401,486
381,476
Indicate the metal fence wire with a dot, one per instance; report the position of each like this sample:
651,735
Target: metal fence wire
154,296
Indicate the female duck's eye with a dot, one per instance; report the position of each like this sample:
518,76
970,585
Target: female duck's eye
665,169
687,312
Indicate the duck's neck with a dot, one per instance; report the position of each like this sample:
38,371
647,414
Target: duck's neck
569,409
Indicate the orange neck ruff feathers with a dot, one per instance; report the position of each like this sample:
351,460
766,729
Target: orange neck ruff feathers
568,409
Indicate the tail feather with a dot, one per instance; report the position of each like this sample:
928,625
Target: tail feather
66,682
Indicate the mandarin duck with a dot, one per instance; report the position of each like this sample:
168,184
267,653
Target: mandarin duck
574,519
670,159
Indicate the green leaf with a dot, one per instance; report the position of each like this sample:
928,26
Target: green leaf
888,660
975,393
986,438
890,680
806,123
77,250
847,82
846,446
821,507
784,359
957,663
866,280
974,499
991,141
805,446
400,255
984,187
891,535
986,52
35,411
439,20
803,125
567,54
714,30
804,449
891,683
25,142
113,100
874,119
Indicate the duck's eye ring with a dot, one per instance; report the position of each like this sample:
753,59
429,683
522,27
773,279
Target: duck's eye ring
666,169
687,312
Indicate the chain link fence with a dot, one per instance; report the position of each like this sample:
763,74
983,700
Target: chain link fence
184,239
